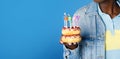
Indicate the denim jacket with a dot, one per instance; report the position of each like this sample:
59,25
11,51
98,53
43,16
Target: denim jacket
93,30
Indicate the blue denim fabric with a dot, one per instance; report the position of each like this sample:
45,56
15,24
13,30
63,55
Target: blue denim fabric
93,29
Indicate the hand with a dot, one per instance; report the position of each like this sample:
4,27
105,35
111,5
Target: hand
70,45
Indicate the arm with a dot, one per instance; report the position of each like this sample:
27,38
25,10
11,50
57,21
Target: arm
74,51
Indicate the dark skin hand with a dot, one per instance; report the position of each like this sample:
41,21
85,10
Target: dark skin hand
70,46
109,7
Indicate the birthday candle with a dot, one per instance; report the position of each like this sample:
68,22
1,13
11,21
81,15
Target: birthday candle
65,20
73,23
74,18
77,20
70,20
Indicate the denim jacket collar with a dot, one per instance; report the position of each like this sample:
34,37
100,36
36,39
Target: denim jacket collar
92,9
118,2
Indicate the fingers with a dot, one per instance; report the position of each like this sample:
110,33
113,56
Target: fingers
61,42
65,43
71,45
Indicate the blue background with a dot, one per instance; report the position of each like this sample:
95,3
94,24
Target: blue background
31,29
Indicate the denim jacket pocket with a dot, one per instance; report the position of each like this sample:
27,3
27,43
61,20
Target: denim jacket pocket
88,49
93,48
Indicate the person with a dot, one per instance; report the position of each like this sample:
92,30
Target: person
100,32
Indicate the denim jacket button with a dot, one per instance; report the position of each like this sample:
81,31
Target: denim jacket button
67,52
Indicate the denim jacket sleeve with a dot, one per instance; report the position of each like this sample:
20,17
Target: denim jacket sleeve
76,53
71,54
